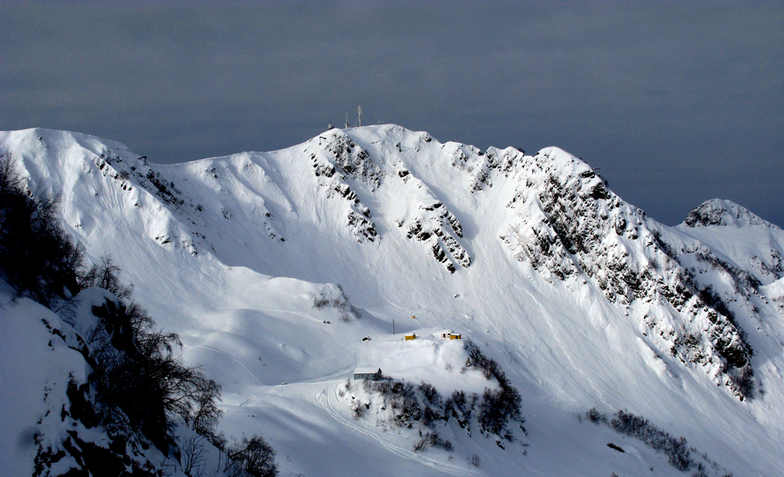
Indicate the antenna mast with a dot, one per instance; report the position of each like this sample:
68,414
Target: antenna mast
347,124
359,115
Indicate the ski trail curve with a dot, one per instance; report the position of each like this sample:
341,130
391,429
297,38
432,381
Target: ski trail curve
228,356
298,313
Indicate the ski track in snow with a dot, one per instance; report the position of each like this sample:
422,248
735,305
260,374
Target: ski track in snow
304,315
565,349
323,399
270,310
228,356
552,329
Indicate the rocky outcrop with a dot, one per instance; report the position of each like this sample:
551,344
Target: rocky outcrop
439,229
79,434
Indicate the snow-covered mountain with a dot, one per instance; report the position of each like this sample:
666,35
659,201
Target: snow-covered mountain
283,271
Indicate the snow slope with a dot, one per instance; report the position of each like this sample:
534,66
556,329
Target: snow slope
583,300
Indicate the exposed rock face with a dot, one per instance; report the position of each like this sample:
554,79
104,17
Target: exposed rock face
353,161
337,158
567,223
723,213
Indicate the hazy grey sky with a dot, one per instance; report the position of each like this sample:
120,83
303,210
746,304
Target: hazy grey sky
676,102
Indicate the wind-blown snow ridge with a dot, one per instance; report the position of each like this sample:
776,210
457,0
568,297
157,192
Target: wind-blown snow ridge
584,300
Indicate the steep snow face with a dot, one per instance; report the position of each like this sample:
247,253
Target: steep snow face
724,213
583,300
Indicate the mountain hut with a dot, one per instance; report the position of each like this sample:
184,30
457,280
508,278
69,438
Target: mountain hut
373,374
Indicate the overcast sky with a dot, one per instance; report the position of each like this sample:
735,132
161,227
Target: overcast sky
676,102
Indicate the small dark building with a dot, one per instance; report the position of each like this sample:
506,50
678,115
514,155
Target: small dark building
373,374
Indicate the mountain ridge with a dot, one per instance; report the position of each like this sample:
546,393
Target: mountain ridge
411,226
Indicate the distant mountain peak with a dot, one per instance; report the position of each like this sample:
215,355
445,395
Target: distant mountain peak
725,213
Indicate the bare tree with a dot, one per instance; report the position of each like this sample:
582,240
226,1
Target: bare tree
255,457
205,414
192,458
106,275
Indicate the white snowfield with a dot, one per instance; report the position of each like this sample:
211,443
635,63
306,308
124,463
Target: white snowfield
242,256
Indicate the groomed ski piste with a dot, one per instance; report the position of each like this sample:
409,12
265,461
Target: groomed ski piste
284,271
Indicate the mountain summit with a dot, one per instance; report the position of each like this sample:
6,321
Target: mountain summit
723,213
283,271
